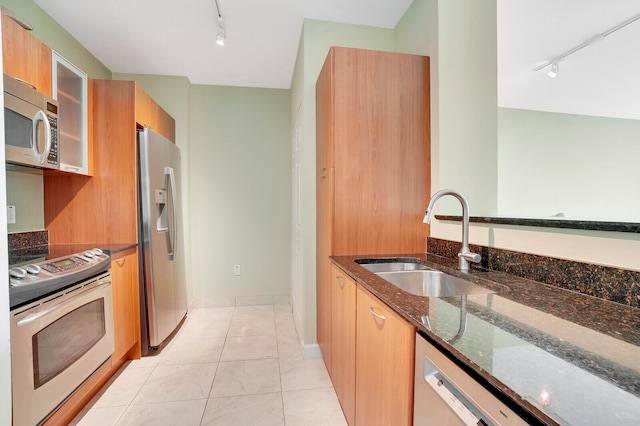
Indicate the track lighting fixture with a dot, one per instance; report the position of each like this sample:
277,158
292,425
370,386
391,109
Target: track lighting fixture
221,36
555,68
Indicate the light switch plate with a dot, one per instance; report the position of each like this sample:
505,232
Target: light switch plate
11,214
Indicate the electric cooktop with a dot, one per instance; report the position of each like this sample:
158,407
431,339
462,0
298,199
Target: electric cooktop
38,272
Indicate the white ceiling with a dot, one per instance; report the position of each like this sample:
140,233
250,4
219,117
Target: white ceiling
600,80
171,37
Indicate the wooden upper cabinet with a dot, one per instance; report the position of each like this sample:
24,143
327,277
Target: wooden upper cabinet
25,57
166,125
324,118
101,209
372,111
145,108
150,114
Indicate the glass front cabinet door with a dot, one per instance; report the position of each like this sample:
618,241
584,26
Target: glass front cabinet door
70,90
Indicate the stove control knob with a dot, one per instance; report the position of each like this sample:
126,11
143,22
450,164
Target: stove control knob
33,269
89,254
18,273
97,252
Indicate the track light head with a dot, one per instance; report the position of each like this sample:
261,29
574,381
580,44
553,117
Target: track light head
555,69
221,37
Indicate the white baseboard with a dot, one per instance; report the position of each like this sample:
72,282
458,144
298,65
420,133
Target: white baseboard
222,302
311,351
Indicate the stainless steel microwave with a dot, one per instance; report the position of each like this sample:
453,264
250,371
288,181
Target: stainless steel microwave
30,126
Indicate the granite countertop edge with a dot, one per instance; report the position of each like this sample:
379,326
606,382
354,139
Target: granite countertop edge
22,254
411,308
562,223
112,249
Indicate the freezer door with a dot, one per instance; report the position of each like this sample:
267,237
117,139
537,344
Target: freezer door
177,235
160,225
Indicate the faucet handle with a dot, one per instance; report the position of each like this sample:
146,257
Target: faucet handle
471,257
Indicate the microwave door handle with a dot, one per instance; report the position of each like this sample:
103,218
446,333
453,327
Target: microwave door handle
41,157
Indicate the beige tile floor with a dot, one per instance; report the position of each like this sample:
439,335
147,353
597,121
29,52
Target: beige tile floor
226,366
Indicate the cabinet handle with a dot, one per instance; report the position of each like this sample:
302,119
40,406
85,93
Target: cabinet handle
341,281
121,261
382,317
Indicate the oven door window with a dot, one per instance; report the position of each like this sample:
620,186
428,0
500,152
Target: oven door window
66,340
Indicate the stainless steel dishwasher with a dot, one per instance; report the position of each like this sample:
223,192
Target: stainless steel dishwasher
445,395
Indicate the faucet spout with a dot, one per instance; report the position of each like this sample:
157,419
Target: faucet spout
465,255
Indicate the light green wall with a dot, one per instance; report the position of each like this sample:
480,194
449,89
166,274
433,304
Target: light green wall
417,33
317,38
25,191
467,84
240,174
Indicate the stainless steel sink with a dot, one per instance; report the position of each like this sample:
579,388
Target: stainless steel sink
392,266
432,283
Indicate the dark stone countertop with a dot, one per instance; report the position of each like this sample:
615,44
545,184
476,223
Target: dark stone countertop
23,255
562,356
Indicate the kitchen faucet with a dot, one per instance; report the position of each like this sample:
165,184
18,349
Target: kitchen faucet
465,256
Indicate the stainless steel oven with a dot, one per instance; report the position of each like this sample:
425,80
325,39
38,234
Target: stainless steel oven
60,339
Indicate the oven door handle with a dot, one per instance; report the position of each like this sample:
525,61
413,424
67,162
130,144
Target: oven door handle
37,315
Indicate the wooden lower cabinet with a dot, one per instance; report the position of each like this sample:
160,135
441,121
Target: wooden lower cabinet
126,305
372,355
343,344
385,345
324,266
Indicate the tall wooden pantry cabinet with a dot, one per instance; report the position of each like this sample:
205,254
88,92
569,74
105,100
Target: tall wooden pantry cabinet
373,168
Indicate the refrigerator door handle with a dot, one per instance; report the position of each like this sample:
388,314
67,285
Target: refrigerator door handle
168,172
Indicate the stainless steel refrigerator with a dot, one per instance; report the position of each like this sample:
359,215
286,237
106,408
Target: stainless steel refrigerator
163,295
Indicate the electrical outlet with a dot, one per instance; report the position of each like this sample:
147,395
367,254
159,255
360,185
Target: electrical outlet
236,269
11,214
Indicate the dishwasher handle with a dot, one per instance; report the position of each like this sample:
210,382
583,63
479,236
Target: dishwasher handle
449,398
